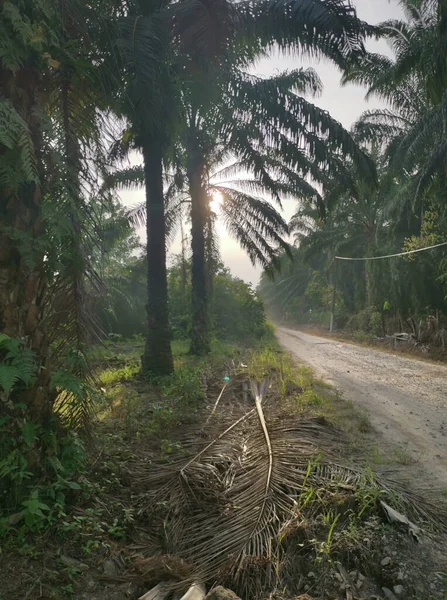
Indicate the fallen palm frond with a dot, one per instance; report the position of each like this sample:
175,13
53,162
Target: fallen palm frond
229,504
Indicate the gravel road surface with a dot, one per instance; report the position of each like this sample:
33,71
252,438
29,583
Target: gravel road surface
406,398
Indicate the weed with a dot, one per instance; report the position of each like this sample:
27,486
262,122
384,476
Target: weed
399,454
116,530
110,377
169,447
310,398
402,456
367,493
185,384
115,337
272,363
326,546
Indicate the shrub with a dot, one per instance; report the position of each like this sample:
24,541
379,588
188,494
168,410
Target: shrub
368,320
39,462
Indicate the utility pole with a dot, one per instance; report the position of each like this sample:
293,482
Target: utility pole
334,292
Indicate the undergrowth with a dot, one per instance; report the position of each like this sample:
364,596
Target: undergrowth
45,472
89,510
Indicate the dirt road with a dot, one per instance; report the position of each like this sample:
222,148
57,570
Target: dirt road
405,398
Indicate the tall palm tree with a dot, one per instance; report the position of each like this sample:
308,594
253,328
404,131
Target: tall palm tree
46,127
149,104
275,134
353,226
22,99
277,168
187,39
251,219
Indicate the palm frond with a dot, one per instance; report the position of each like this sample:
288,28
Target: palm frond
230,500
130,178
142,46
329,28
257,226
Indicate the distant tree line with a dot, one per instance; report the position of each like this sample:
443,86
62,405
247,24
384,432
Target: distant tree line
404,209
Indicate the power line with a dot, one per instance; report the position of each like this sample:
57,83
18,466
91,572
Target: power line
372,258
392,255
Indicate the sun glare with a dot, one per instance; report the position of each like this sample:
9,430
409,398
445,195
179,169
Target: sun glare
216,201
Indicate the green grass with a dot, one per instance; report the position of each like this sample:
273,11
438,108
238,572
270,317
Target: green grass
112,376
294,382
137,409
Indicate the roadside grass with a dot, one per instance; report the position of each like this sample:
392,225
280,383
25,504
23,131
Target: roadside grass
141,422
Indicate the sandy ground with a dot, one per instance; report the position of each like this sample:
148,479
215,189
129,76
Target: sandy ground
406,399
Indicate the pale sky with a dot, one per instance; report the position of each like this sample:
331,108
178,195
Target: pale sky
345,104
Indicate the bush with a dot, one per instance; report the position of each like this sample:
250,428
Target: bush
237,311
40,462
368,320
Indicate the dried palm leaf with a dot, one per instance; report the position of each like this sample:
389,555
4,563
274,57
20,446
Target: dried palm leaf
230,502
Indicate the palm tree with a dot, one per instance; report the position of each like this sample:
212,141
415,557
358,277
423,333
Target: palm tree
354,226
46,127
252,220
189,39
277,140
22,99
149,104
415,86
274,134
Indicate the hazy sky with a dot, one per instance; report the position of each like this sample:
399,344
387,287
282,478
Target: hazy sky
344,103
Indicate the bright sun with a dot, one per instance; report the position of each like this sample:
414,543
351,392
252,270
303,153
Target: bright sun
216,201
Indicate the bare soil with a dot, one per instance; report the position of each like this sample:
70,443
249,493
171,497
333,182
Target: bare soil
406,399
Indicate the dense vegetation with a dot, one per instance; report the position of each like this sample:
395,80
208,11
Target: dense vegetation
404,210
236,311
84,85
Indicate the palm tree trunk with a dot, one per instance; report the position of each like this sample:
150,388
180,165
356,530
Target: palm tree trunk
370,291
22,291
200,343
183,266
22,267
157,358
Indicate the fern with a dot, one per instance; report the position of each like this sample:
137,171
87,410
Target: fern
18,364
9,376
20,24
63,380
28,159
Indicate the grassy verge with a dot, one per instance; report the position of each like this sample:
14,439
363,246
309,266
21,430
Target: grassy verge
100,546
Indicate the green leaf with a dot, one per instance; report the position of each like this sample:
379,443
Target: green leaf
3,338
34,506
73,485
9,375
29,432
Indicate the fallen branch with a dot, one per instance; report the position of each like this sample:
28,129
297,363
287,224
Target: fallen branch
159,592
217,402
196,592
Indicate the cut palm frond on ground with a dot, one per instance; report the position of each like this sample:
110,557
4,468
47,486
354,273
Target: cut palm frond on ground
250,483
